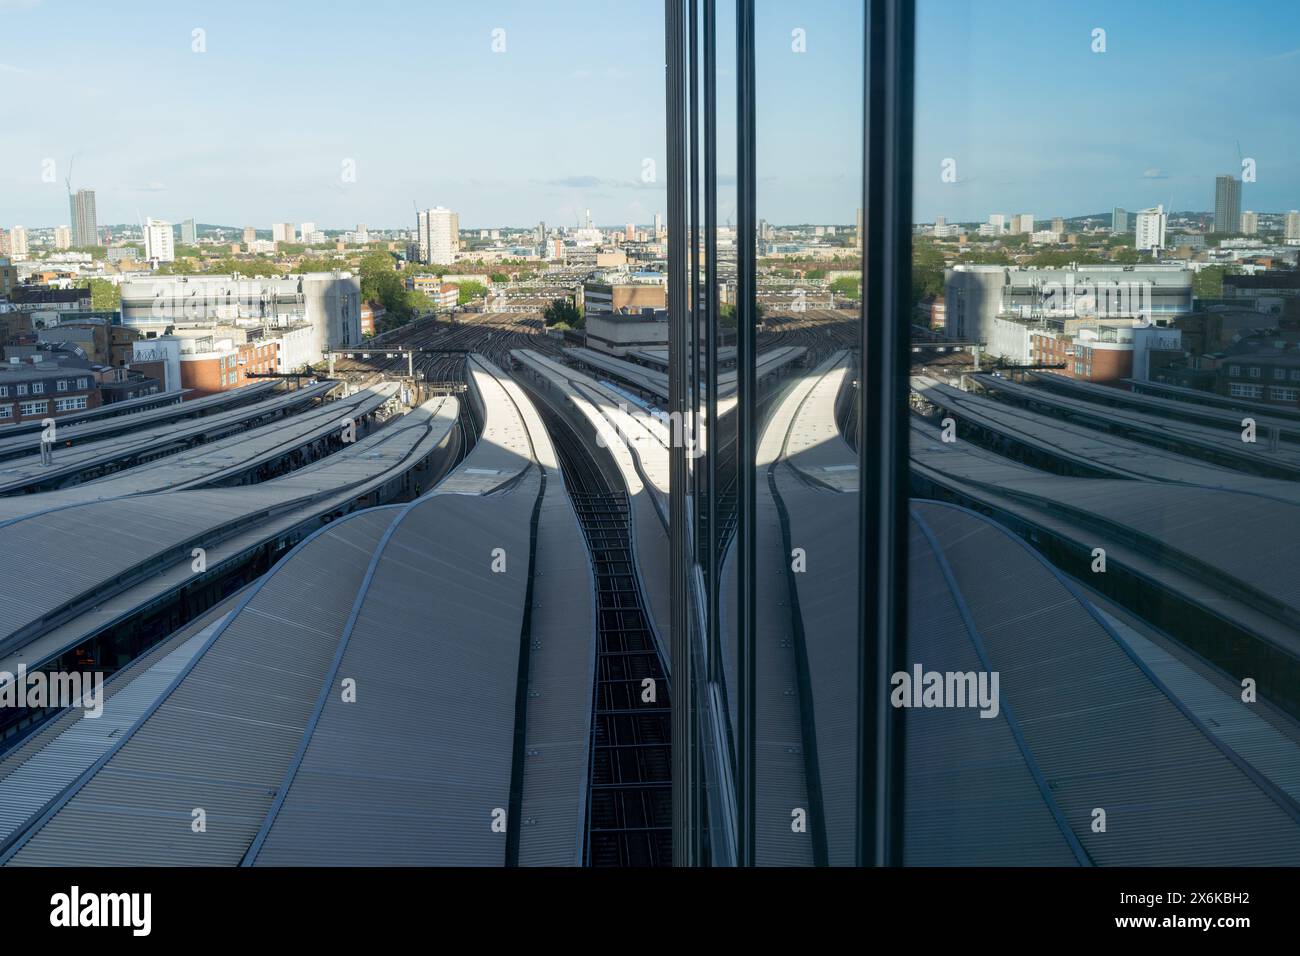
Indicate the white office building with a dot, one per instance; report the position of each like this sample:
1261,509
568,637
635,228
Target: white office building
159,244
18,243
1150,228
326,303
438,230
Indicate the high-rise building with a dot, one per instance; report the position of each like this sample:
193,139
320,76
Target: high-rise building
1249,223
159,243
1118,221
363,234
81,209
1227,204
18,242
1293,224
1023,223
439,235
1150,229
859,241
1058,225
659,226
250,236
189,235
283,232
997,222
62,237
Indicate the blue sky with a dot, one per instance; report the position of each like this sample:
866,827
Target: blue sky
257,128
1039,123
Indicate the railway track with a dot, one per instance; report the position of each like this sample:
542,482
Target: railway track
629,810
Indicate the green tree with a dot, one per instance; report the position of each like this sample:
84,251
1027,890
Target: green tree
469,291
381,283
104,295
181,267
562,312
927,271
848,286
1208,282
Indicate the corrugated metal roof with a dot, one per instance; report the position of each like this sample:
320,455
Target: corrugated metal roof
210,462
1223,439
1105,732
656,382
222,737
971,799
412,771
23,441
1094,449
56,578
17,474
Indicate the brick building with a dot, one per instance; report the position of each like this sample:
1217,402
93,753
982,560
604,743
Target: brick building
34,389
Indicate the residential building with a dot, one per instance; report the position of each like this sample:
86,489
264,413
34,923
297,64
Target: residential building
8,278
438,231
34,388
283,232
85,227
1150,231
159,241
1118,221
62,237
1227,204
189,235
18,243
1249,223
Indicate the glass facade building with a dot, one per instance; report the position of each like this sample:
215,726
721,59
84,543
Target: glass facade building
949,598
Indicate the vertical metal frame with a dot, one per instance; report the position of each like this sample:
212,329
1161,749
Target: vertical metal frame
888,77
711,321
746,395
678,391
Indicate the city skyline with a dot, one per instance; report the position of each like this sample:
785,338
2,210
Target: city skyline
344,149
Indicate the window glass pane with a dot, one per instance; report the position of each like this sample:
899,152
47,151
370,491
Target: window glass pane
1103,628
